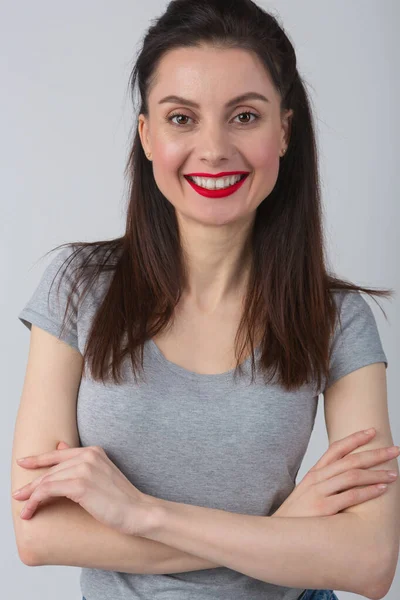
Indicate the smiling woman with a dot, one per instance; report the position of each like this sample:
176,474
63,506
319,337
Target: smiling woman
220,273
209,125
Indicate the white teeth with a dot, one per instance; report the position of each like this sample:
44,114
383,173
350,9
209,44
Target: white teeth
216,184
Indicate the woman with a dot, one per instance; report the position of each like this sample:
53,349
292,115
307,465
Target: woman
221,263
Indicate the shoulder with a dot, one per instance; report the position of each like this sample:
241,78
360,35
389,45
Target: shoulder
350,305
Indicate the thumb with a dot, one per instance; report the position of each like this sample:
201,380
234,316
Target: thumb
62,445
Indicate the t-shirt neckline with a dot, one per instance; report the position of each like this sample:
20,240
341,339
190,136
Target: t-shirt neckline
200,377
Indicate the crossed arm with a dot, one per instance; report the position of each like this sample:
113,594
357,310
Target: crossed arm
82,541
351,551
321,553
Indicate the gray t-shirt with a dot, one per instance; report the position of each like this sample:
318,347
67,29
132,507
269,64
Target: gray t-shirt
199,439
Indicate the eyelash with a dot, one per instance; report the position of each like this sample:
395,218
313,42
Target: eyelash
242,113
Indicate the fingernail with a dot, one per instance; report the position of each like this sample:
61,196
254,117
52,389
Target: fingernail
392,474
368,431
16,492
394,450
22,459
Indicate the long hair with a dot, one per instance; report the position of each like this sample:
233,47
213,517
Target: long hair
289,295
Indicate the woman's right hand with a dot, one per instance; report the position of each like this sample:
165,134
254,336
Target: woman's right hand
332,484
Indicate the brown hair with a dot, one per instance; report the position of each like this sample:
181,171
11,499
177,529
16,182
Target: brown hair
289,291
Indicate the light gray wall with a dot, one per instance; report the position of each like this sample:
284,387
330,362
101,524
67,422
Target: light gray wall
65,123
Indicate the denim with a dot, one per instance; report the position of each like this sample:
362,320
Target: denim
318,595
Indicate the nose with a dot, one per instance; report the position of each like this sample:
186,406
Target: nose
214,146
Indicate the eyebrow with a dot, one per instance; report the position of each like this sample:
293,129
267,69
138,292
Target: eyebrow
236,100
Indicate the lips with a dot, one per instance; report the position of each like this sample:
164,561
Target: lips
218,193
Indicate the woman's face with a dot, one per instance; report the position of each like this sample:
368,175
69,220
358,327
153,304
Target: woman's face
216,135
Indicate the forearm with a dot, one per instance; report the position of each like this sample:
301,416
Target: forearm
63,533
303,552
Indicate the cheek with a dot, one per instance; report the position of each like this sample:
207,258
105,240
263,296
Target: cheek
265,162
265,156
168,156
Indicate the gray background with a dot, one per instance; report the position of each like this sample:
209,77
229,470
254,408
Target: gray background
66,118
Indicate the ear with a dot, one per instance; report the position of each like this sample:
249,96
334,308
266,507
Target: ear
286,127
143,130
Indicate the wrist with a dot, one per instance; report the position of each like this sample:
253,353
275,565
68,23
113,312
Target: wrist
152,515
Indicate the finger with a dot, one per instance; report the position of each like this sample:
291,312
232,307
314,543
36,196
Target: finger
339,502
64,468
68,488
359,461
48,458
62,446
342,447
354,478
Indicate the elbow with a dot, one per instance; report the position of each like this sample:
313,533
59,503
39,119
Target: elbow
26,555
26,552
383,572
29,559
28,540
35,535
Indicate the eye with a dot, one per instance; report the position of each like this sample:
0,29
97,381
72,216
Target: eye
248,113
177,115
174,116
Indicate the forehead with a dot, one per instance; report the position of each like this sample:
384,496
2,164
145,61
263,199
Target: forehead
207,73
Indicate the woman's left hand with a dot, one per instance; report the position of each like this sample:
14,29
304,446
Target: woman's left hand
88,477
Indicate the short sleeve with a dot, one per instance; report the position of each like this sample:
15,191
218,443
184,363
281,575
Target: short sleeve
48,302
356,341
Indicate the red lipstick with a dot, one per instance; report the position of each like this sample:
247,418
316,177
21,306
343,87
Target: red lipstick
217,193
